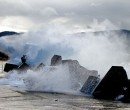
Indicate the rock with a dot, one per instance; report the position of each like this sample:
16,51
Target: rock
23,59
90,85
112,84
9,67
23,67
56,60
41,65
78,73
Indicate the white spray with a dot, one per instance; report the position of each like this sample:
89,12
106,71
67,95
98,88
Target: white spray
97,52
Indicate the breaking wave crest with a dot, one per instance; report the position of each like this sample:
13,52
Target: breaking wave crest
93,51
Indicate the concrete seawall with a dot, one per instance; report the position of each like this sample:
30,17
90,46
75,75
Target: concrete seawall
16,99
13,99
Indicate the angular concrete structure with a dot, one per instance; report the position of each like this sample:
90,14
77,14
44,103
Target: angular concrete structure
90,85
56,60
112,84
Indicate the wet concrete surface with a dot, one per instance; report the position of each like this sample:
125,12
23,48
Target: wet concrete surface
15,99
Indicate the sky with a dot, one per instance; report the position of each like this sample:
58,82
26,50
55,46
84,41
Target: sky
80,15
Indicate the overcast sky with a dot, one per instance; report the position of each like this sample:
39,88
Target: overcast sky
73,14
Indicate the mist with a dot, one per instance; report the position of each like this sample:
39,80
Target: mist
93,51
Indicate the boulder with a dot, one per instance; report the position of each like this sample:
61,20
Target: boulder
9,67
41,65
112,84
78,73
56,60
23,59
23,67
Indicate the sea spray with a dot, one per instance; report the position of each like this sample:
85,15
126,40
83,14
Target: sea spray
53,79
98,50
93,51
14,79
68,77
